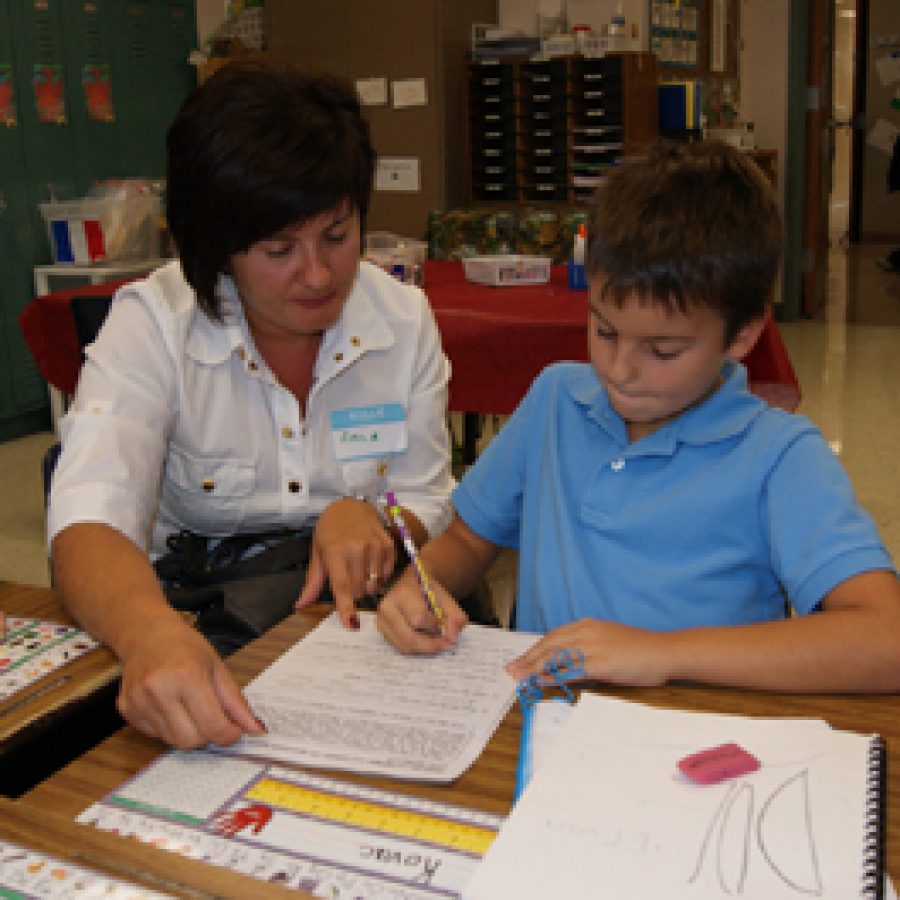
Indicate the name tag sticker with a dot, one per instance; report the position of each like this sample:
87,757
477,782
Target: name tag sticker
718,763
361,432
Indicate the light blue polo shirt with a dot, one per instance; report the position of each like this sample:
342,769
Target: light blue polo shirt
711,520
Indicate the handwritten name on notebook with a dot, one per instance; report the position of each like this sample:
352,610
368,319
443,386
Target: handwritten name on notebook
608,807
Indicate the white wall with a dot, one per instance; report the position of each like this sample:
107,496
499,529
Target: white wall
763,76
210,14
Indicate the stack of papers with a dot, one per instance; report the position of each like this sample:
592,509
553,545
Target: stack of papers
347,700
607,812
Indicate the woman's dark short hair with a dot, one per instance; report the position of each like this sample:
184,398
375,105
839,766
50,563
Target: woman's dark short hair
254,149
690,223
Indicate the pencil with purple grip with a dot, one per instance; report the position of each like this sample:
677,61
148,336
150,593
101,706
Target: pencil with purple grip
393,509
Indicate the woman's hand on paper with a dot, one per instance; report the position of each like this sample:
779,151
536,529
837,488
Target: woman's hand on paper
615,653
405,620
176,688
353,552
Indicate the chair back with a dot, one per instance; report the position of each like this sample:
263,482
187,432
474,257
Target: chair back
88,313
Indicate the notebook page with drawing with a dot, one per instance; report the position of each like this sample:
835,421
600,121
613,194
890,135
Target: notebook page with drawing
608,807
342,699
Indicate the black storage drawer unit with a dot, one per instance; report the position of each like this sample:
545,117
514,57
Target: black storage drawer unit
545,130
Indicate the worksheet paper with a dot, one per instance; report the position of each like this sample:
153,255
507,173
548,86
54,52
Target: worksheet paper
347,700
608,814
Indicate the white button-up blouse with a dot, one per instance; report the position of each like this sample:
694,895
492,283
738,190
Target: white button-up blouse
178,423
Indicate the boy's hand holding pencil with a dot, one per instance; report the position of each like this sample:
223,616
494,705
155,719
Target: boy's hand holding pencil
417,615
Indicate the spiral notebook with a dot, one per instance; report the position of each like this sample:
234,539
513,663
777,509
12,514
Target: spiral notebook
609,813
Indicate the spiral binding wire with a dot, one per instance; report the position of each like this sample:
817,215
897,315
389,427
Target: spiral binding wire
873,850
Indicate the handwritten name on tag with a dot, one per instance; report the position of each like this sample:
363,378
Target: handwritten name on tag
362,432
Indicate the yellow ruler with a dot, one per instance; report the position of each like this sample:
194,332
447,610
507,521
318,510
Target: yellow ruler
365,810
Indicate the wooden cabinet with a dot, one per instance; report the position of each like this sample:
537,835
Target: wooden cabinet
545,130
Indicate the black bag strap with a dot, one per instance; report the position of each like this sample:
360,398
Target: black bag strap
195,561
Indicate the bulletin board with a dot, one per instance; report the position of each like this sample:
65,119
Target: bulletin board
700,39
695,38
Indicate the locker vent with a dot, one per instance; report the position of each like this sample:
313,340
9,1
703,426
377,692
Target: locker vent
45,46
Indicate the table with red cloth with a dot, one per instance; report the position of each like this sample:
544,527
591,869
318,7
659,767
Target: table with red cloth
497,338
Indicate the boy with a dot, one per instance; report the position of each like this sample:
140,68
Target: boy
662,513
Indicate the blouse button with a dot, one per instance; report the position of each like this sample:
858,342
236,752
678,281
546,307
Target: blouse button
617,465
208,485
338,357
355,341
252,366
303,431
287,432
241,352
294,487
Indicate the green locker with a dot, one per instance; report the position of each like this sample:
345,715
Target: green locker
137,69
95,99
96,84
23,396
44,103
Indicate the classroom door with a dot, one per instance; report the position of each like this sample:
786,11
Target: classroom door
819,155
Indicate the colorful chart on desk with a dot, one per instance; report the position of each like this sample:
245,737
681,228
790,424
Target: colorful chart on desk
34,648
27,873
332,838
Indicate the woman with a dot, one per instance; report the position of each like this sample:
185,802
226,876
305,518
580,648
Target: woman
232,391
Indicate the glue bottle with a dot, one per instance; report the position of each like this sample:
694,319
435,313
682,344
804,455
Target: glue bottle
577,278
578,249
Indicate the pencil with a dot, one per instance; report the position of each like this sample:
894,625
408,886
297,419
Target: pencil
393,509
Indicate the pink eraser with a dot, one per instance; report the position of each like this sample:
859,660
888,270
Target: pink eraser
718,763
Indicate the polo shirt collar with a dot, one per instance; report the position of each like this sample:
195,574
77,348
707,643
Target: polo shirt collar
722,415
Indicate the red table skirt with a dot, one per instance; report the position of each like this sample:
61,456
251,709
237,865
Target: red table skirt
497,339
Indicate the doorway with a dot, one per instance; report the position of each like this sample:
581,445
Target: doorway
842,118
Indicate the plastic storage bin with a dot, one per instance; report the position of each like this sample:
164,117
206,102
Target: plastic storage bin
403,257
507,269
107,229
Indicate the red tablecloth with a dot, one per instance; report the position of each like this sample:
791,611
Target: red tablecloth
497,339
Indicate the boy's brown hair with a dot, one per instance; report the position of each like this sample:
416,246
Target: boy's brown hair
690,223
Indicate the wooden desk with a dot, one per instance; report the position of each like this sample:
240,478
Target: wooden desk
489,784
25,715
124,859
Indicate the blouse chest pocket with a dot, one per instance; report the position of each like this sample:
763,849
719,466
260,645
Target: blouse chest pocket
207,493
